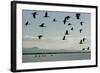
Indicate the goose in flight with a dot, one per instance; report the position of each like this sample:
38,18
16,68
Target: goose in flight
72,28
80,30
81,23
69,24
78,15
81,42
83,48
42,25
27,23
66,33
46,14
34,14
40,36
65,19
64,38
84,39
54,20
88,48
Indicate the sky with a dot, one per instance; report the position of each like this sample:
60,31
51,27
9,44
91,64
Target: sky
53,34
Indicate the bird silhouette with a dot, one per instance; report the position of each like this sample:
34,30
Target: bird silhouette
42,25
54,20
66,33
81,23
65,19
80,30
84,39
69,24
81,42
72,28
46,14
34,14
88,48
78,15
27,23
40,36
64,38
83,48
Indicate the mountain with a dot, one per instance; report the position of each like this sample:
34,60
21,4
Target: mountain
39,50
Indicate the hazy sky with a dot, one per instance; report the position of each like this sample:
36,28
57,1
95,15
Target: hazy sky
54,30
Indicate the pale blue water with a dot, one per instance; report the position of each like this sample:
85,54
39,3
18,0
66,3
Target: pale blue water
56,57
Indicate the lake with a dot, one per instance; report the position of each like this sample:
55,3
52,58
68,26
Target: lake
56,57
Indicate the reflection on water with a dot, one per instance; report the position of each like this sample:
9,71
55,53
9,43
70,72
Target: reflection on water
56,57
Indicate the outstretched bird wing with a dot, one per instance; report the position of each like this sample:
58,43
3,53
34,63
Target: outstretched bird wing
42,25
64,21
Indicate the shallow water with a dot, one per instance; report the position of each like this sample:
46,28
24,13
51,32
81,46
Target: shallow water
56,57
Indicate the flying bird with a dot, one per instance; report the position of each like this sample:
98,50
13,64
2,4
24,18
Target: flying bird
27,23
81,42
81,23
69,24
84,39
64,38
34,14
42,25
83,48
66,32
65,19
72,28
80,30
88,48
78,15
54,20
46,14
40,36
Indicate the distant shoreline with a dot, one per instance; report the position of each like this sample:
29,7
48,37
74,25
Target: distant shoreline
55,53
